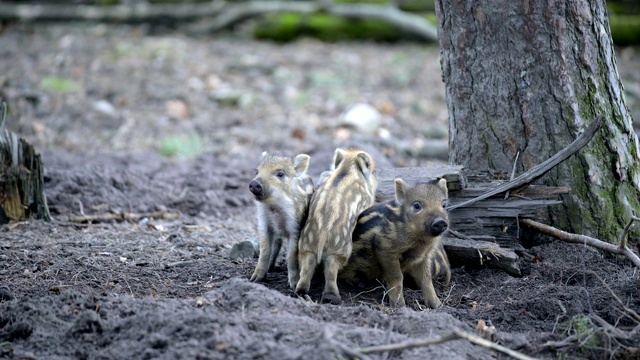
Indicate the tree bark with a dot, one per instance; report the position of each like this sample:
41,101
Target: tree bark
527,76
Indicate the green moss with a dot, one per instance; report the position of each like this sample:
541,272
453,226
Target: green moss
289,26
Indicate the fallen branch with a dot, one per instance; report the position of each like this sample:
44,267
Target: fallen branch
219,14
117,13
119,216
583,239
537,171
455,334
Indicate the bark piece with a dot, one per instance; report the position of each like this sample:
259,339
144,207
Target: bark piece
476,253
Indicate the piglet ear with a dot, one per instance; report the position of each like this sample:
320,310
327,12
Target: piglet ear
401,187
338,157
365,163
301,163
442,184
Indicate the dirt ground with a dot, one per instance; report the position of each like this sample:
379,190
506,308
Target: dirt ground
171,126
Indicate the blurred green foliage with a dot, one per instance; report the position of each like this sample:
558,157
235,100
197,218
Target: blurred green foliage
326,27
624,18
58,84
625,29
182,146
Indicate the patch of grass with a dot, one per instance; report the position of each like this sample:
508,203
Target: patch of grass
58,84
181,146
584,330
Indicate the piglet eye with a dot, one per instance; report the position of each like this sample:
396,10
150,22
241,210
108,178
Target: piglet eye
280,173
417,206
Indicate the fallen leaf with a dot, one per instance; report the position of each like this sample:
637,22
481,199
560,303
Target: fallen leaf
178,109
298,133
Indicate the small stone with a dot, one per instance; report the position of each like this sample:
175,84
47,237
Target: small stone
104,107
242,250
231,97
362,117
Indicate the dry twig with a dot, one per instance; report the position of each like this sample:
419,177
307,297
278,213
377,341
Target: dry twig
513,173
582,239
634,315
120,216
455,334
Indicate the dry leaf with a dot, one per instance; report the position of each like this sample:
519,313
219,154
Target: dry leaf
386,107
298,133
178,109
486,331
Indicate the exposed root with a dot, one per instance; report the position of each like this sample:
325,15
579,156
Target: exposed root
583,239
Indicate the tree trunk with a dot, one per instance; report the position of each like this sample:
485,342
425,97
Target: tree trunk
527,76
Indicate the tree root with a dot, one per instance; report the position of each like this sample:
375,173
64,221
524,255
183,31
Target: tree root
622,249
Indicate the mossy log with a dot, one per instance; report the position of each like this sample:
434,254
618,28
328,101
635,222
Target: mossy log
21,180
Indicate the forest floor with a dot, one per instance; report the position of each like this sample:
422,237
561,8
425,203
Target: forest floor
168,129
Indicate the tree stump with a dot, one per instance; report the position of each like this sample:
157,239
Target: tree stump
21,179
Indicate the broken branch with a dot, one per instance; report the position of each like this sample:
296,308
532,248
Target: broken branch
582,239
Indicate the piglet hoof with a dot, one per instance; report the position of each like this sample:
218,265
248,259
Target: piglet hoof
434,304
332,299
254,278
300,292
